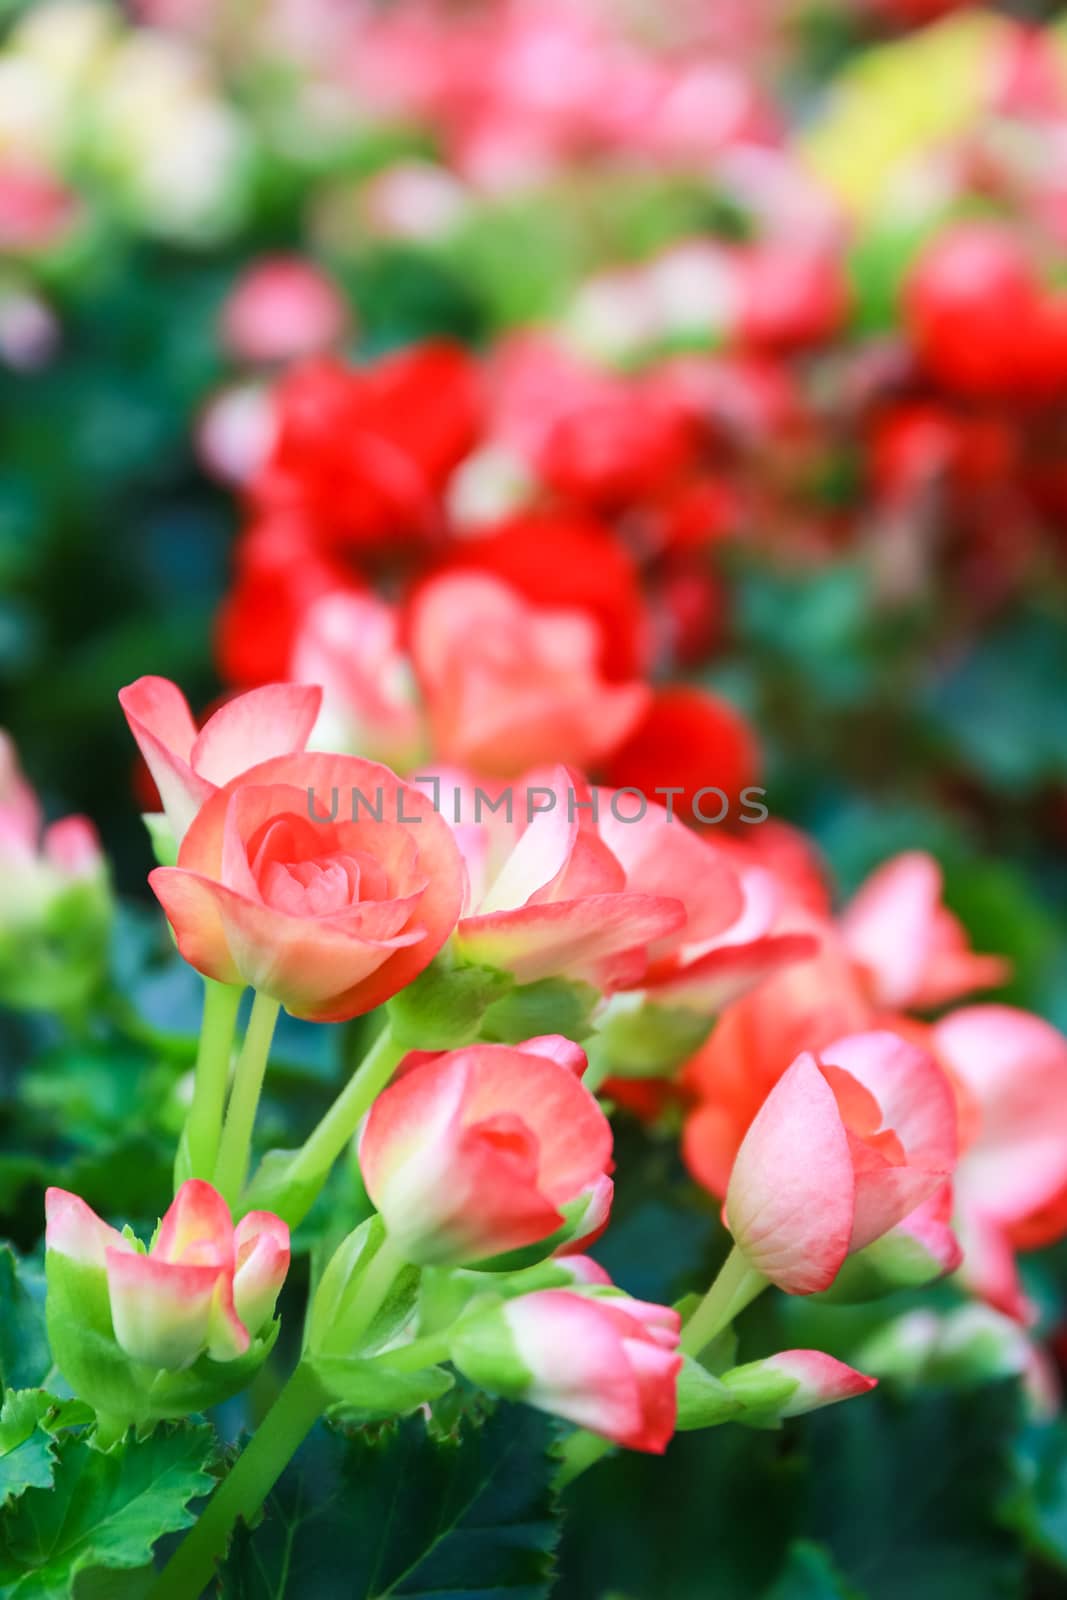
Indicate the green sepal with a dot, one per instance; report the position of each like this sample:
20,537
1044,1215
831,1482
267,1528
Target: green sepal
892,1263
639,1039
446,1005
339,1289
552,1005
703,1400
482,1346
363,1391
761,1393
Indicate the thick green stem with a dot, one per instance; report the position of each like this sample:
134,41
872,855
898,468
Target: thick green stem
235,1147
243,1491
322,1147
735,1287
203,1126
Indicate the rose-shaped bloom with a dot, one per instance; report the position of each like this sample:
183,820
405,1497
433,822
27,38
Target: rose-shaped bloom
847,1144
600,1360
1011,1183
188,766
204,1286
509,685
321,880
350,644
489,1149
549,897
912,950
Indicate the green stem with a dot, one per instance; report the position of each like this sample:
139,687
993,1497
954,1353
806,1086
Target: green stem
735,1287
203,1126
322,1147
581,1450
235,1146
243,1491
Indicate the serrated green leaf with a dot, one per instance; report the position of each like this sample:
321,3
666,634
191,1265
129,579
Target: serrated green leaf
103,1511
408,1516
27,1453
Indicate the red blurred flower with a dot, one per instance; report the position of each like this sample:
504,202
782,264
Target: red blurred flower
689,740
365,453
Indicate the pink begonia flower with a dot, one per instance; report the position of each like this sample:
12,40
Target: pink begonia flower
603,1361
911,948
1011,1183
487,1150
204,1286
189,766
321,880
805,1005
36,861
509,685
820,1381
847,1144
350,644
549,896
280,309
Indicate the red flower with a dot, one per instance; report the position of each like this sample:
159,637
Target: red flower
690,740
567,561
364,454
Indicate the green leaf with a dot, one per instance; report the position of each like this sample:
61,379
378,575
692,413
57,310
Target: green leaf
907,1492
103,1510
366,1389
809,1575
1038,1507
27,1453
25,1356
410,1515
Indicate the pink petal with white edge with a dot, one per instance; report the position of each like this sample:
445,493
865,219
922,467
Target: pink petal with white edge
989,1268
888,924
822,1381
261,1255
661,856
197,1228
161,1310
791,1197
275,720
918,1105
161,722
581,1369
568,937
73,1229
1014,1065
554,1047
